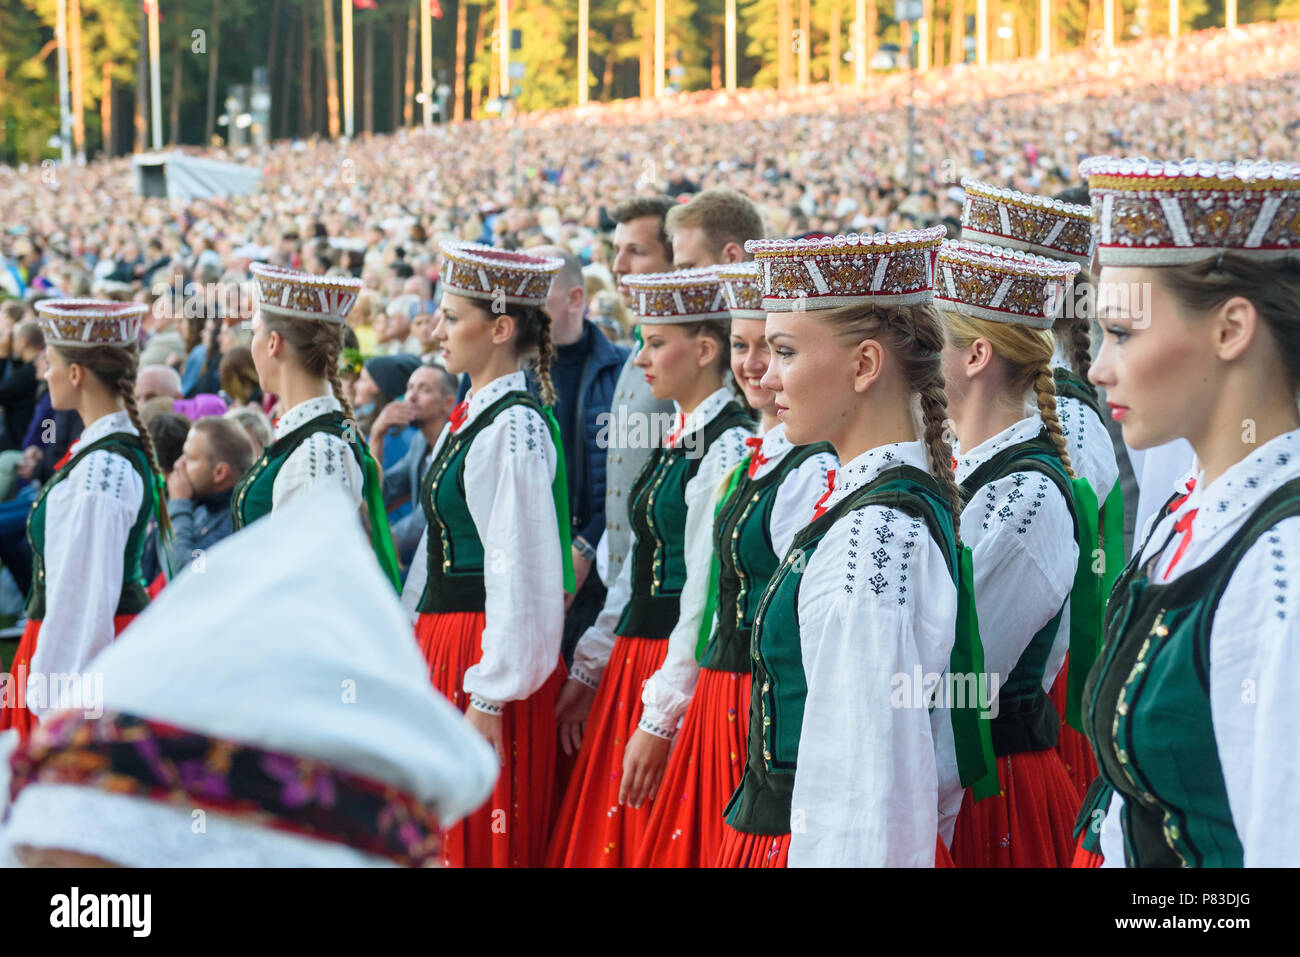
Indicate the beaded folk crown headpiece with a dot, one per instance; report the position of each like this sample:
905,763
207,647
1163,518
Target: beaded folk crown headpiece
1002,285
90,322
300,295
887,269
1153,213
689,295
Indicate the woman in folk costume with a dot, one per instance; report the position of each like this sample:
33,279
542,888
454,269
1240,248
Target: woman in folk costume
87,527
1019,519
338,753
297,340
491,599
757,510
838,770
1063,231
685,324
1191,708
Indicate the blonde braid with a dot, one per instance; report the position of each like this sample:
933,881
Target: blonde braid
1045,389
125,387
925,370
545,353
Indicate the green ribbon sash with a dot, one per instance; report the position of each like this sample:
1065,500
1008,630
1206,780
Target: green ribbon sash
1112,540
971,729
1085,602
560,492
715,567
381,537
158,495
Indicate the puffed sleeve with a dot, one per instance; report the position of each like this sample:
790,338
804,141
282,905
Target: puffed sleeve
796,499
508,473
668,691
876,607
321,458
88,517
1254,670
1024,557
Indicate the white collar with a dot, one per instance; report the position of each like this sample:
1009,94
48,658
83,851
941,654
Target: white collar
106,425
704,413
304,412
480,399
1240,490
967,462
863,469
774,448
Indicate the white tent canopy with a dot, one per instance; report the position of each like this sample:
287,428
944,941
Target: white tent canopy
177,176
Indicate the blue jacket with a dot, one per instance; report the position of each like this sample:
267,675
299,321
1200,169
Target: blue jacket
596,394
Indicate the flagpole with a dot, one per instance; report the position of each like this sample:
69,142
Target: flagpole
731,46
503,61
583,58
659,48
65,121
426,57
348,104
155,76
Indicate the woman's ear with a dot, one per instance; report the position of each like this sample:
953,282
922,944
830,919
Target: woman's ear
709,348
503,329
1236,326
979,354
869,363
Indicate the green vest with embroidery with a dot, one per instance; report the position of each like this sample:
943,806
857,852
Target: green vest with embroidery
761,805
133,598
1070,386
1027,720
253,494
657,510
742,540
455,550
1147,705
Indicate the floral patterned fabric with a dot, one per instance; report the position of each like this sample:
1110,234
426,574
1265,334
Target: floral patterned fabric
126,754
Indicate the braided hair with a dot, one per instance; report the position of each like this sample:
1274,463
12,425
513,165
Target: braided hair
914,337
1075,332
115,367
317,346
1027,353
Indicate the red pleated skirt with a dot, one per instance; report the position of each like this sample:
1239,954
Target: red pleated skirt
13,702
510,829
1030,824
1084,857
769,850
1073,747
739,849
703,771
592,830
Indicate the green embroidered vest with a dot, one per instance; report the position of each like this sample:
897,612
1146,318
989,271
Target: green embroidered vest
742,540
761,805
253,493
455,550
1147,706
1027,720
657,509
133,598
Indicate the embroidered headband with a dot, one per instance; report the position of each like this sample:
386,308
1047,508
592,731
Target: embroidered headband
484,272
1002,285
689,295
887,269
300,295
1153,213
1035,224
742,283
90,322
